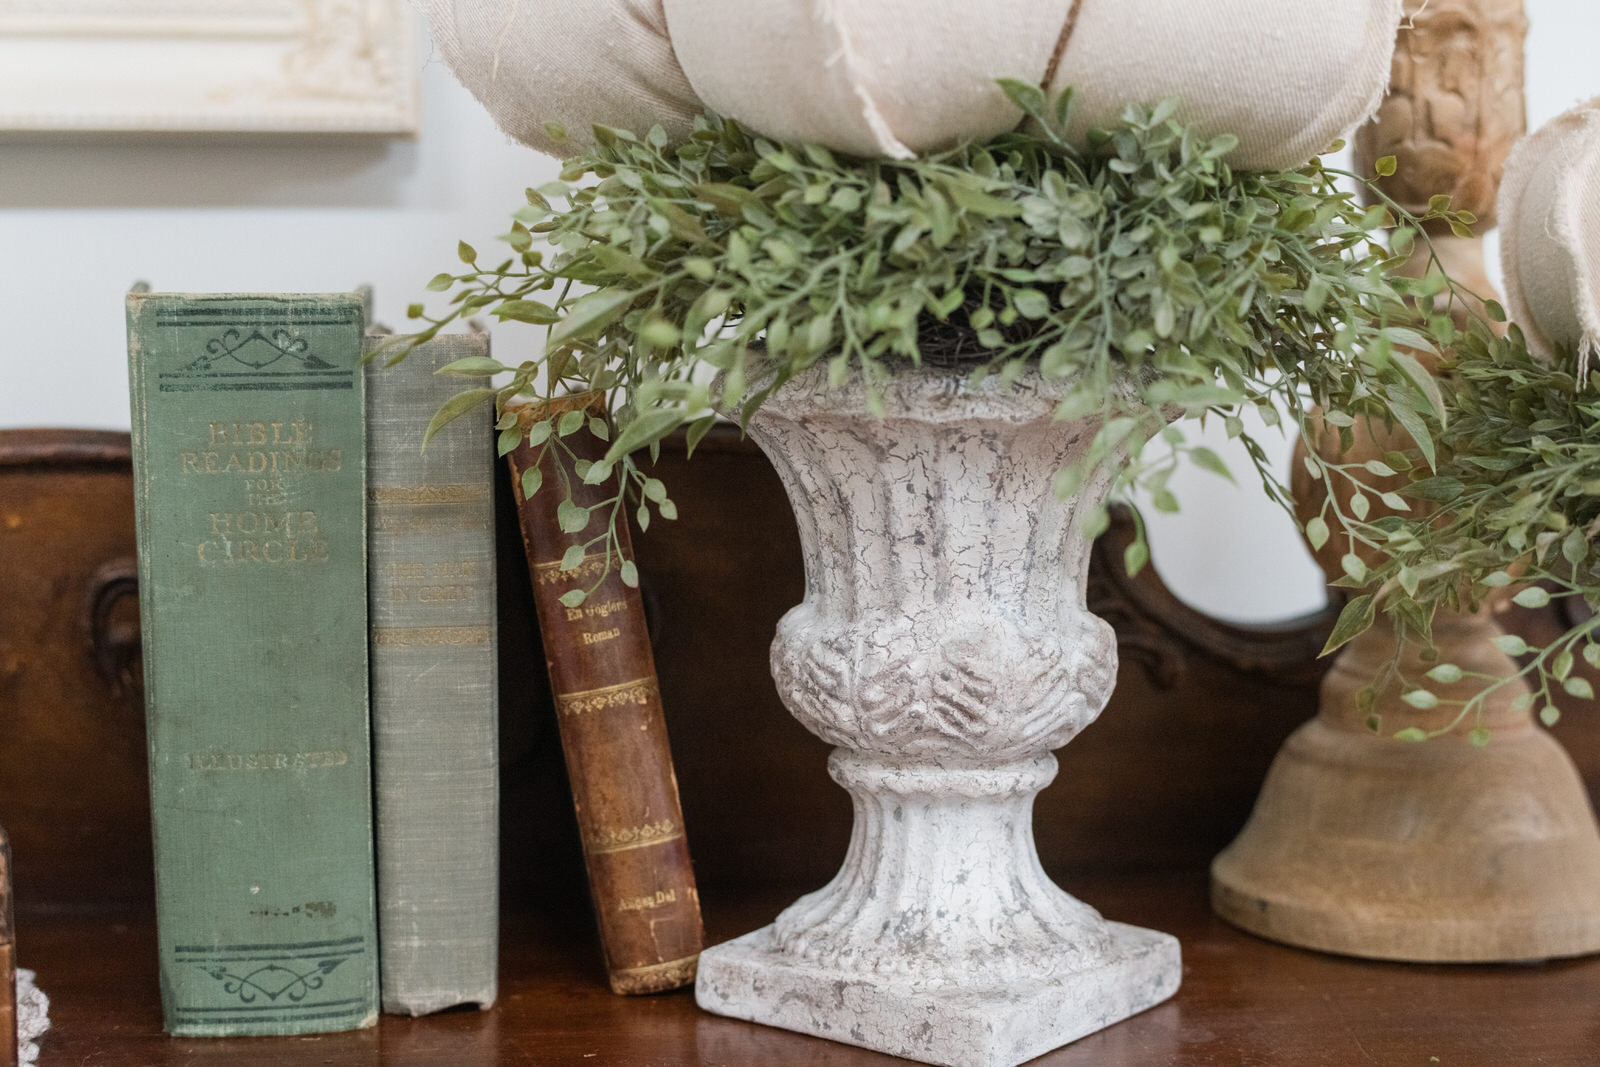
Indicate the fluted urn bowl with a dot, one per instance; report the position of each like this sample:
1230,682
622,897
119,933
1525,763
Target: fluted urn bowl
944,648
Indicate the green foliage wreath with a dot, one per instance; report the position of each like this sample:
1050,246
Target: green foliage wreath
1158,280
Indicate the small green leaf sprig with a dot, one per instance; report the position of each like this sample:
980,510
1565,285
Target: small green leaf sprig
1163,284
1517,495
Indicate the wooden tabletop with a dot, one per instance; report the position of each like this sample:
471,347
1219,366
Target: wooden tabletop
1244,1003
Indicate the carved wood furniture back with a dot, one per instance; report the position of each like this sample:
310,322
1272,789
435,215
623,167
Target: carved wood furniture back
72,763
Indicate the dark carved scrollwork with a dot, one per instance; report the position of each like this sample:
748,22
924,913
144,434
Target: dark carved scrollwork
111,620
1162,632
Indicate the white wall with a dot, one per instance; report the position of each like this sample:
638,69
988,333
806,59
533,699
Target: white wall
81,220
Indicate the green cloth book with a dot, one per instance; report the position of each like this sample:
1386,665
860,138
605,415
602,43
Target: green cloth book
435,707
249,453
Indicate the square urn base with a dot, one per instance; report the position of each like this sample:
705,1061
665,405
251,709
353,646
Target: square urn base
748,978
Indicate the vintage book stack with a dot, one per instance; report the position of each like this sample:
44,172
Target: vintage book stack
608,707
288,514
434,686
249,455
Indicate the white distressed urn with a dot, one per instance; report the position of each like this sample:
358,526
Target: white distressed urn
944,647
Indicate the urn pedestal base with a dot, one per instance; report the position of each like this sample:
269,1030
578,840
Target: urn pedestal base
941,939
751,978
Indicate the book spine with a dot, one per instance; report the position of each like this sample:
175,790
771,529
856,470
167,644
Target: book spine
613,731
8,962
249,465
434,687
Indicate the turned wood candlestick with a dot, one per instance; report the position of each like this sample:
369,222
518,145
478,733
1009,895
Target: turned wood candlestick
1440,851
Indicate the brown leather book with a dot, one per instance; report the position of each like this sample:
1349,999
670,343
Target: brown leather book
613,731
8,963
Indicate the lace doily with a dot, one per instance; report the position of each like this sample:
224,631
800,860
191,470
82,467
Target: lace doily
33,1016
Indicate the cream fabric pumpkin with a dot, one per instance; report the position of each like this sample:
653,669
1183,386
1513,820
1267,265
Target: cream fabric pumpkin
1550,235
1288,77
899,77
867,77
577,63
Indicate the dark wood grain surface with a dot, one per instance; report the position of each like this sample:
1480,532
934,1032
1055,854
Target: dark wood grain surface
1244,1003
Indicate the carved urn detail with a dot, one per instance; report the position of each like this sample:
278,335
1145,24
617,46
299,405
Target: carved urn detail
944,613
944,647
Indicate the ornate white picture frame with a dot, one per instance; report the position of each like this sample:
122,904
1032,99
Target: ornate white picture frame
281,66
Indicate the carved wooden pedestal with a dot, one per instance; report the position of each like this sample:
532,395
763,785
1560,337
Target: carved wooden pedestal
1439,851
943,645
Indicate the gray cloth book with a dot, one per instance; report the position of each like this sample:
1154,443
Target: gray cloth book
434,688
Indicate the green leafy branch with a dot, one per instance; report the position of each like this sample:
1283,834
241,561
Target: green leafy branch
1515,501
682,281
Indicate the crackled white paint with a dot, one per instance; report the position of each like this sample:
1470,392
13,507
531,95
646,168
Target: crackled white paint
943,645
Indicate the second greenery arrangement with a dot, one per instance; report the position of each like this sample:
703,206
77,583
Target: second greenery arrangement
1515,502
